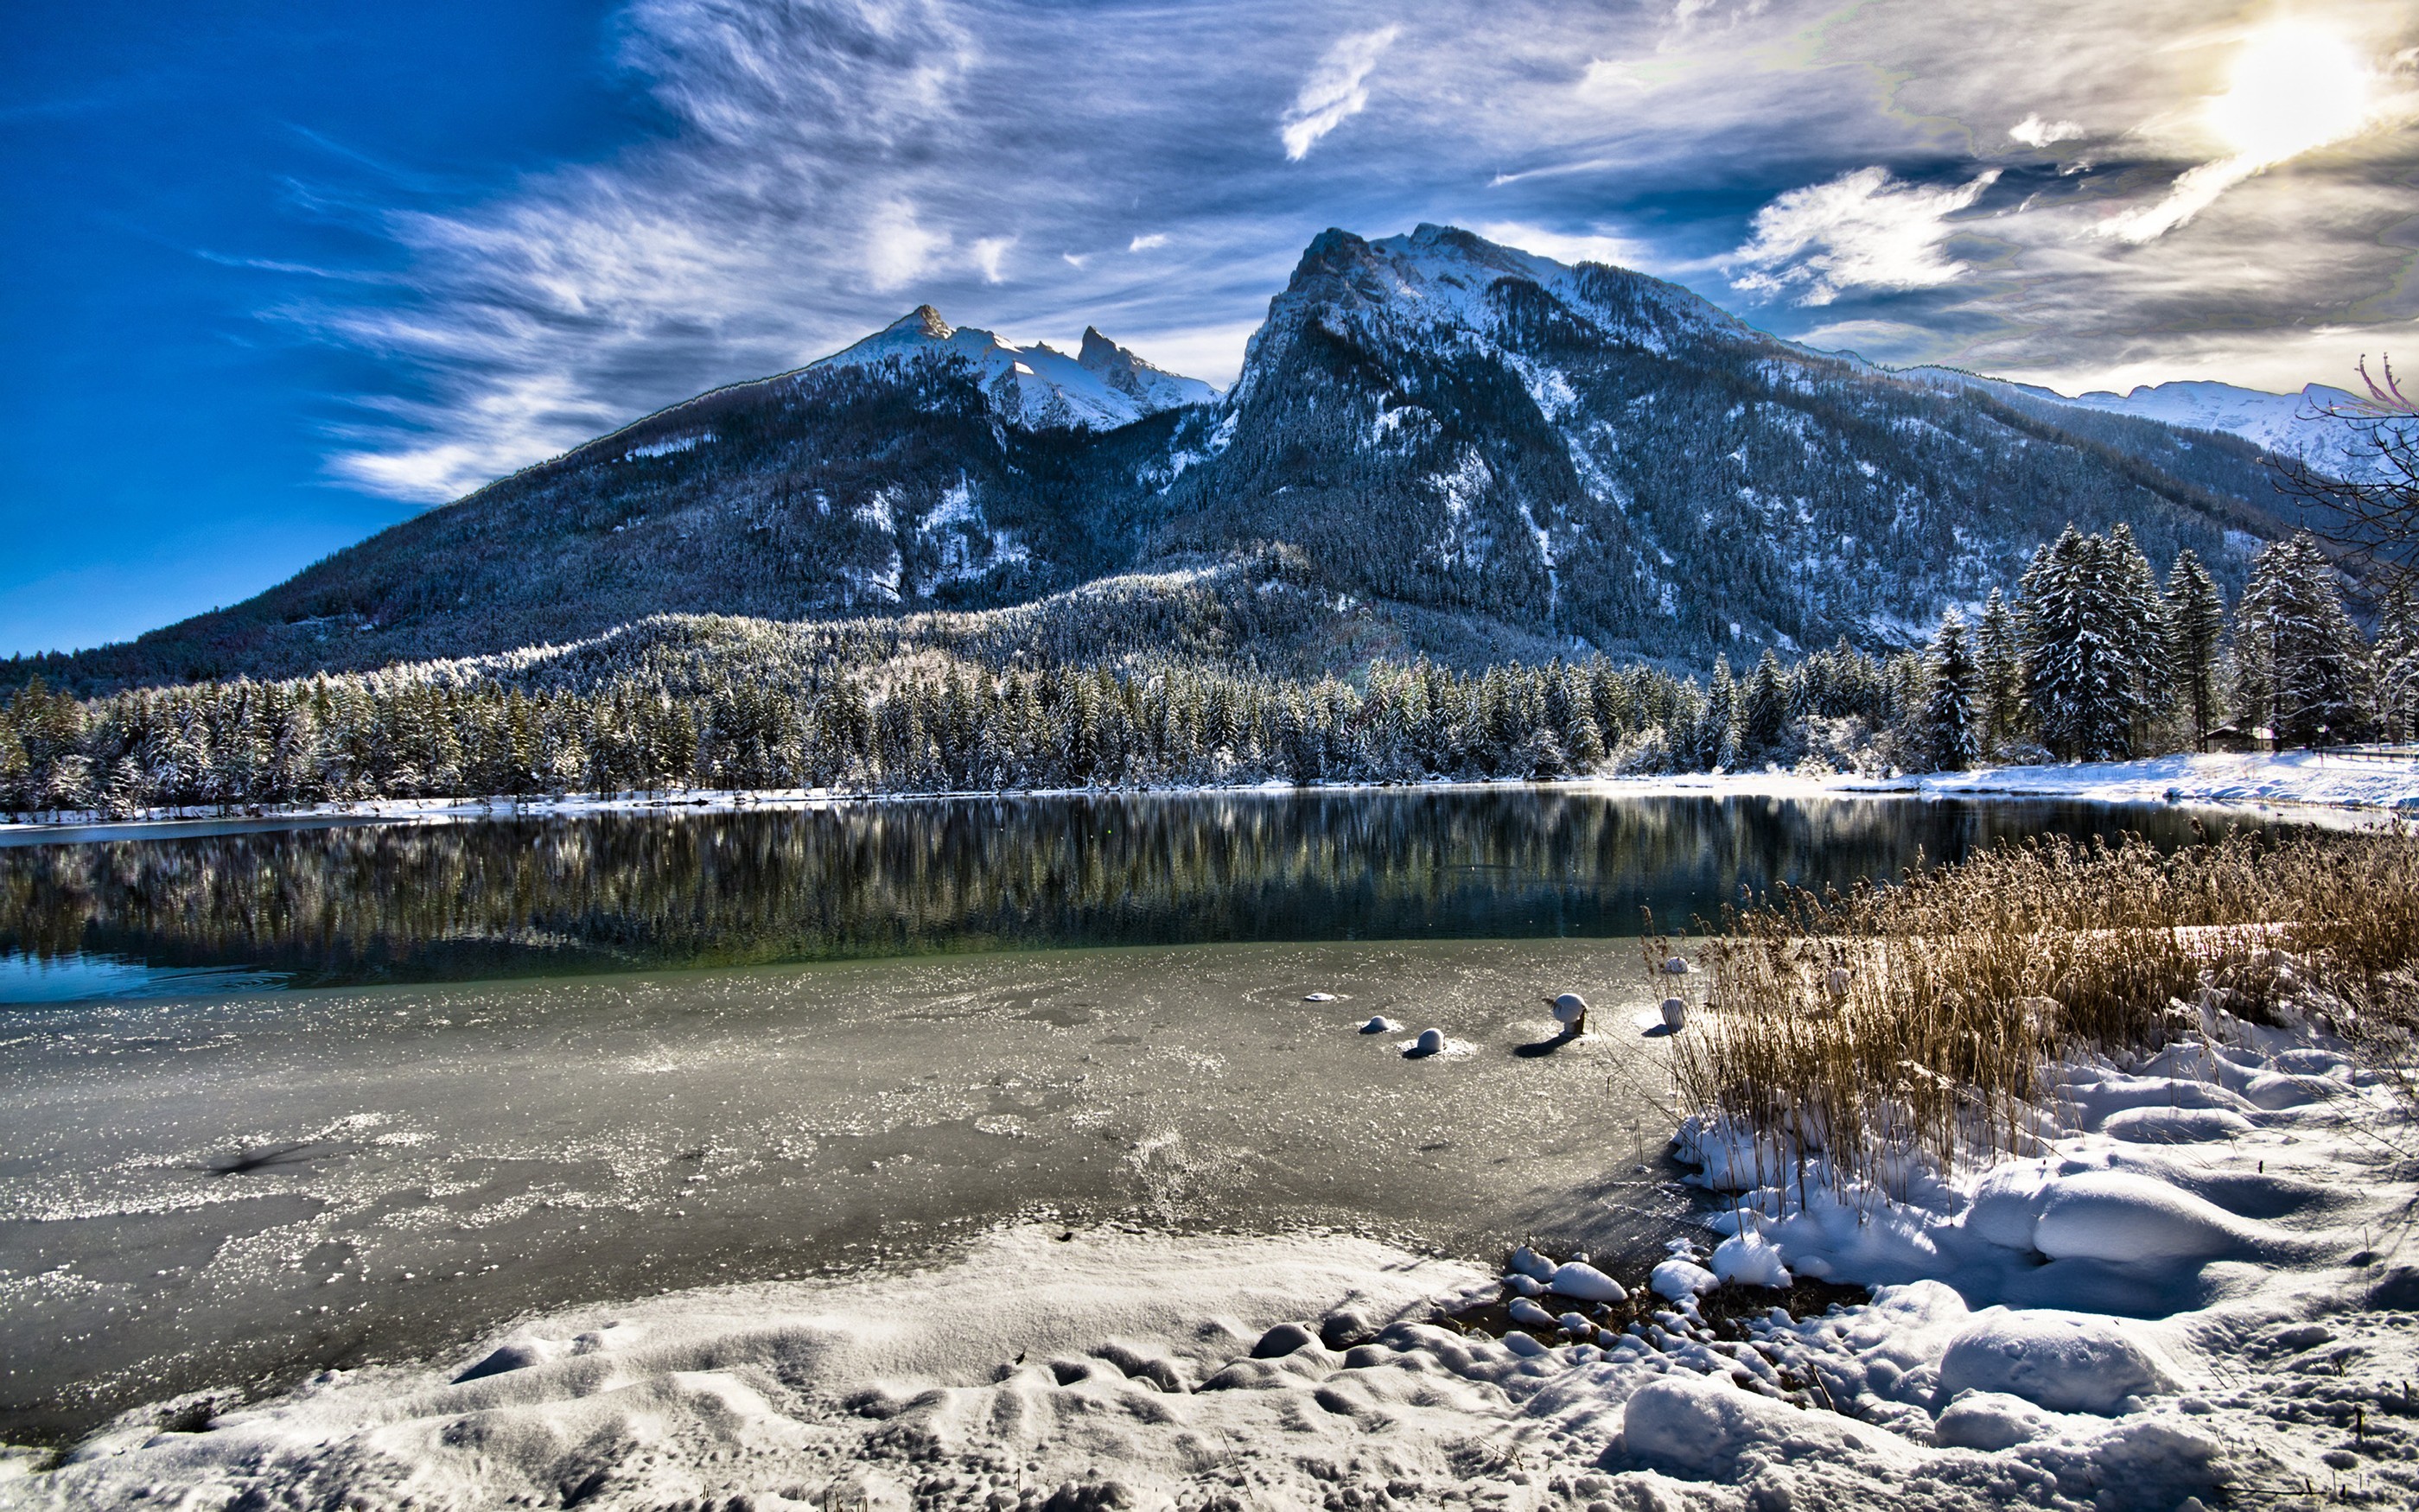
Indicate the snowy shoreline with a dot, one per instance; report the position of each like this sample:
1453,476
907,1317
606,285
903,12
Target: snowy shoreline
2348,786
2202,1288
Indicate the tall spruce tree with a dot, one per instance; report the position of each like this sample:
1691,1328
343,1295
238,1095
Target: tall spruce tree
2304,669
1764,713
2397,664
2137,615
1717,727
2083,677
2001,661
1950,735
2195,642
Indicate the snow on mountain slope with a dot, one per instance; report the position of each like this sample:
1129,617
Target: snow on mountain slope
1588,452
1037,387
2291,425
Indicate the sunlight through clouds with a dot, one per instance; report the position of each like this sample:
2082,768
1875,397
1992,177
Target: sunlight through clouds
829,163
2295,88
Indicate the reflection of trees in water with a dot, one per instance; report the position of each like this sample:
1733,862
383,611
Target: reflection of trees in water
871,880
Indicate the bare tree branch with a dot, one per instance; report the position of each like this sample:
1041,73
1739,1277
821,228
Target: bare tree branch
2370,509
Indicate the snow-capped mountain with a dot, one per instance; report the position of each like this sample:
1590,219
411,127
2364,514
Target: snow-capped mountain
2290,425
1590,453
1460,433
1101,388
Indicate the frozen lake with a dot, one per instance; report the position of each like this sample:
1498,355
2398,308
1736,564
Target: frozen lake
277,1101
257,906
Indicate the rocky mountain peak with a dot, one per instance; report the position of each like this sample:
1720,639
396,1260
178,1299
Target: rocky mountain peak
924,321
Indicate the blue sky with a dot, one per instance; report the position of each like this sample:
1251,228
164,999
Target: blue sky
284,273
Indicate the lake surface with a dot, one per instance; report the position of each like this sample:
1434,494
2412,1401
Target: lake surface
289,1100
343,906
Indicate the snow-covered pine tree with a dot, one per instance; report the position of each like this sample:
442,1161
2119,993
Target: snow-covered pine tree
1949,733
1764,713
2138,616
2195,642
2078,682
2304,668
2397,664
2001,662
1717,727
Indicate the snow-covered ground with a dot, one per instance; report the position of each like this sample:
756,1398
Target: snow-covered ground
2316,780
2311,779
2331,779
2201,1291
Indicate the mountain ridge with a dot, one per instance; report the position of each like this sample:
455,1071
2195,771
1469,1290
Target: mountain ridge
1582,454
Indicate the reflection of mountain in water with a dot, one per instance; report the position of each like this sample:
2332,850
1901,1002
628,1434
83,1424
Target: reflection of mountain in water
509,897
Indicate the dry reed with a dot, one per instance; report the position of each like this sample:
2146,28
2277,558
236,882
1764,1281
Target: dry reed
1919,1023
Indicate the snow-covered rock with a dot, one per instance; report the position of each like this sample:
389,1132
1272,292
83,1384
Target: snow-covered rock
1526,1312
1750,1259
2066,1362
1700,1429
1677,1278
1577,1278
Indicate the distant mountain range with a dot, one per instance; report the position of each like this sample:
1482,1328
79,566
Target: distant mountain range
1488,445
2290,425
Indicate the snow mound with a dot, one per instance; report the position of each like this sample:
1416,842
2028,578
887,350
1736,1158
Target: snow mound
2178,1125
2066,1362
1577,1278
1989,1420
1750,1259
2118,1216
1676,1279
1701,1430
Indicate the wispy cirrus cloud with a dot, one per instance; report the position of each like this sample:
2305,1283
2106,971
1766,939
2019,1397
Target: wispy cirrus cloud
2294,89
1336,90
829,162
1864,229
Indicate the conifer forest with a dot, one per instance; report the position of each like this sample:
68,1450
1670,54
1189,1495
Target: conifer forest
2093,658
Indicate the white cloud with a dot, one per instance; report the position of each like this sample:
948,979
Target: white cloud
898,247
1619,251
1610,76
988,250
1157,238
2295,88
1864,229
1336,90
2035,132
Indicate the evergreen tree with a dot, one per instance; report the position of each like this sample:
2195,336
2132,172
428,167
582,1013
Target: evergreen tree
1764,713
2137,623
1718,725
2084,676
2397,664
1950,734
2195,641
2304,671
2001,665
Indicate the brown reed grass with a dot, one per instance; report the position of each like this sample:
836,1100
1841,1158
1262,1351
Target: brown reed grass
1926,1016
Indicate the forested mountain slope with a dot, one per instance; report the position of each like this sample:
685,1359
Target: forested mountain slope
1597,453
1482,441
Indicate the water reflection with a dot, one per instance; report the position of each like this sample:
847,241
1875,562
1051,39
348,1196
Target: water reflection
328,907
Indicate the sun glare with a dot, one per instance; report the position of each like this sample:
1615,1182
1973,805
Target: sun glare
2294,87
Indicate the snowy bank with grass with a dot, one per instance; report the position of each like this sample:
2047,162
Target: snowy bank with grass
2333,779
2201,1285
2124,1143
